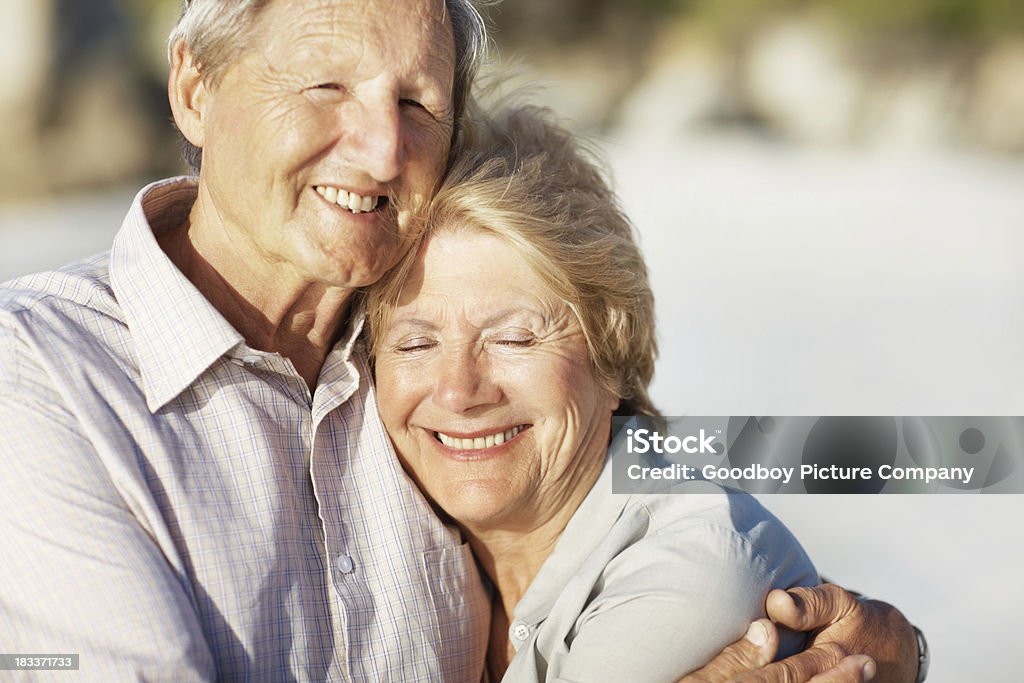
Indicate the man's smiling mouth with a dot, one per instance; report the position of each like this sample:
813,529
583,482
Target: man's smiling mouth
356,203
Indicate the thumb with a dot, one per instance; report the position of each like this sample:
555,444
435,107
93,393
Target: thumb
756,649
807,609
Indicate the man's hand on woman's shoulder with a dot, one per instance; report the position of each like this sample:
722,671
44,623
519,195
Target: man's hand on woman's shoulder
851,640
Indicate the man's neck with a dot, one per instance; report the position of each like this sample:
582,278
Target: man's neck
274,311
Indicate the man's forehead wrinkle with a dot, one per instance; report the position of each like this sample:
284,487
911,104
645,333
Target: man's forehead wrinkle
313,30
357,35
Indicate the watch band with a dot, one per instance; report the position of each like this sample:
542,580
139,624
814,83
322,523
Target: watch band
922,655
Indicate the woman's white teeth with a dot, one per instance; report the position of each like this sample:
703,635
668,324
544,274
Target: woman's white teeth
480,441
348,200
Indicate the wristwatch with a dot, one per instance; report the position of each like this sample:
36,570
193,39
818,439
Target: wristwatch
922,655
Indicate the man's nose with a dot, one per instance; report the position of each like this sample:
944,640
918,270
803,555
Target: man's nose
465,382
376,140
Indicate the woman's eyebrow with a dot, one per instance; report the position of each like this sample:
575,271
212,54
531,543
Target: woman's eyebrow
518,313
414,323
542,312
505,315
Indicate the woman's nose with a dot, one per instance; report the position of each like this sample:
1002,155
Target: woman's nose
465,382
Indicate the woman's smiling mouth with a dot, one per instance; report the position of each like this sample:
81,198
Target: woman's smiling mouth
479,442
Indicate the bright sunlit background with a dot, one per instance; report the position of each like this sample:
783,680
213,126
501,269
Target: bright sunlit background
830,195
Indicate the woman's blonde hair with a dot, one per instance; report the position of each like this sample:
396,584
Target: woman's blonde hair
520,176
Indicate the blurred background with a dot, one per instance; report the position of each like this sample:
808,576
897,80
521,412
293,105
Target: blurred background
830,195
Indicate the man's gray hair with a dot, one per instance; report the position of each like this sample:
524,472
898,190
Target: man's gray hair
217,32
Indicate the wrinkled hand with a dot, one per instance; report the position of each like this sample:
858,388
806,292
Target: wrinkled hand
840,625
748,661
838,619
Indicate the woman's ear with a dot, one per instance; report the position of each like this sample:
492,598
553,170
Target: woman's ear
187,93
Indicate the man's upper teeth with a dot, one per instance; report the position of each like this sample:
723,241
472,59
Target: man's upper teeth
356,203
495,439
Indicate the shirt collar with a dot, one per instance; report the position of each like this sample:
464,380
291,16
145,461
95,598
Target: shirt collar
586,529
341,374
177,333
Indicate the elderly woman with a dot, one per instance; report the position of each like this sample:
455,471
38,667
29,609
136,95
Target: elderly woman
504,344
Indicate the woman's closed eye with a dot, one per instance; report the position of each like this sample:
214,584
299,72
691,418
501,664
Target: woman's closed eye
516,341
415,344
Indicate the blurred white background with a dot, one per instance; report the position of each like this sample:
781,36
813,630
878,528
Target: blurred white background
831,202
853,283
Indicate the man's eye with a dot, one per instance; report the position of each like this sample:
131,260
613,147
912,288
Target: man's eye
411,103
325,90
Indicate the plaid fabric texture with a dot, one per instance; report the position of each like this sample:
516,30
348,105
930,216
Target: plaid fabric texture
178,506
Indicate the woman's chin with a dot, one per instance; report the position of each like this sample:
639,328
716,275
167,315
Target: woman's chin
477,504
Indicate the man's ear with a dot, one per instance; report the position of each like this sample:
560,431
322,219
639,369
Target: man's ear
187,93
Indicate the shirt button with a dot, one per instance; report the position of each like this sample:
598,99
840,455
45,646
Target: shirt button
519,631
251,360
344,564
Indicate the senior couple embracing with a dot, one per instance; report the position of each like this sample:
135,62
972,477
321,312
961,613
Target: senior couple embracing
338,407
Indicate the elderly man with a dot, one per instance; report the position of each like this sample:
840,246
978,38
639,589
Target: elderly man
198,482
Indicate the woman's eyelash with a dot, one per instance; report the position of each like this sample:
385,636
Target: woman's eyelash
415,345
516,341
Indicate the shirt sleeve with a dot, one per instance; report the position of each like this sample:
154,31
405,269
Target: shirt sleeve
675,599
79,573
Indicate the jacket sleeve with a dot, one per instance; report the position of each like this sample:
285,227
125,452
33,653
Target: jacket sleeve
670,602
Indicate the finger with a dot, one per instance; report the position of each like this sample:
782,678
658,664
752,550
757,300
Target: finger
852,669
799,668
753,651
806,609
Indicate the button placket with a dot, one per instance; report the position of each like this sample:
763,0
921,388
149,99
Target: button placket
344,563
519,631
